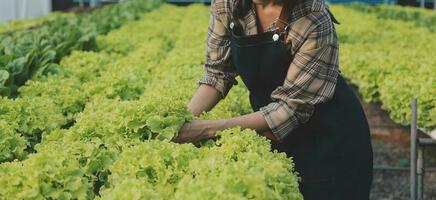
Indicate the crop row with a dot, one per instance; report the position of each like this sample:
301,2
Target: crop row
420,17
35,53
391,61
123,106
22,24
55,101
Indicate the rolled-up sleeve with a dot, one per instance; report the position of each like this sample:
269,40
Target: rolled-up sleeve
311,77
219,71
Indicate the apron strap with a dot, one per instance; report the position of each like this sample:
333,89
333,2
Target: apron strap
282,21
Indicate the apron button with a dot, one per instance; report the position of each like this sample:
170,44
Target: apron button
276,37
232,25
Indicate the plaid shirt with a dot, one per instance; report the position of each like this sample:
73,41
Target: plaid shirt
312,74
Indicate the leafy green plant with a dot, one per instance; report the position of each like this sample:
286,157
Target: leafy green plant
239,165
31,117
44,176
12,145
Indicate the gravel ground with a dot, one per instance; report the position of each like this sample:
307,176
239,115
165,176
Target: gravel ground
393,185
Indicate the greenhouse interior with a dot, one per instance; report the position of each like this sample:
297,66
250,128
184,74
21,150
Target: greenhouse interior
218,99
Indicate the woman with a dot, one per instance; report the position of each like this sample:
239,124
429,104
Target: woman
286,53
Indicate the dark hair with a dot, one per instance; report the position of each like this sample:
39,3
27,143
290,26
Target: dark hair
241,8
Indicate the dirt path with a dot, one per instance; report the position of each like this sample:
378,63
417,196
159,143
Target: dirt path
391,144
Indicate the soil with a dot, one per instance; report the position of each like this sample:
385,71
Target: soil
395,184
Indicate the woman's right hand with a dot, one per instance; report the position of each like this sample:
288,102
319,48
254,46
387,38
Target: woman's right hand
197,130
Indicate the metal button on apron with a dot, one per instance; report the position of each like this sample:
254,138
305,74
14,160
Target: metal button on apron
275,37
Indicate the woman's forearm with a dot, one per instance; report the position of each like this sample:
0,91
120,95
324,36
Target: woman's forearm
254,121
204,99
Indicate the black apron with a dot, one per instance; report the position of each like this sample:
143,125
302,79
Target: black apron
332,151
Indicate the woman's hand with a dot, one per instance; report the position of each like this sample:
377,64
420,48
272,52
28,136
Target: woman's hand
197,130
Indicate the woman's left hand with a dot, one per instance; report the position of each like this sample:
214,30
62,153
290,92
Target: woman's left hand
197,130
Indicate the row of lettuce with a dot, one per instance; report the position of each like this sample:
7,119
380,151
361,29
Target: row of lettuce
420,17
23,24
55,101
391,61
32,53
100,128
